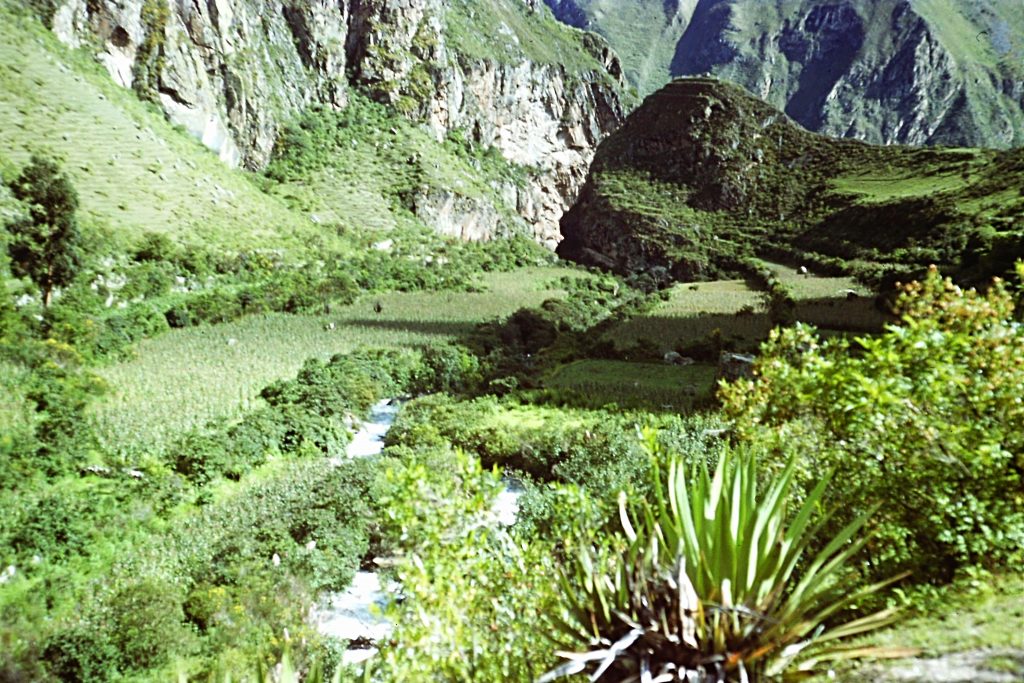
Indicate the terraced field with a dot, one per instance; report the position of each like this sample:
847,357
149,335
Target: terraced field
652,386
188,376
694,311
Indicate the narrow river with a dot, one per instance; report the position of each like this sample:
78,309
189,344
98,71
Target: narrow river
355,614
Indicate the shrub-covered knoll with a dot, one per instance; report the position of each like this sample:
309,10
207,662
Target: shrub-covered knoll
704,176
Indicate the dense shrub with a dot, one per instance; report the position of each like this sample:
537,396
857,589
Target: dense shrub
210,584
310,501
56,390
54,527
306,415
80,655
474,597
597,450
448,368
925,419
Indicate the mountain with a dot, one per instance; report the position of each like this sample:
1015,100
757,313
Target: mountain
884,71
502,74
704,176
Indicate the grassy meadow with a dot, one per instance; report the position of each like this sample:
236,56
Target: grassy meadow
134,172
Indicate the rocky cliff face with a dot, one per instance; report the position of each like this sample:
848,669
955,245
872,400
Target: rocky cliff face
233,71
885,71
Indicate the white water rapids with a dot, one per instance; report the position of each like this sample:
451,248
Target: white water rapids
356,614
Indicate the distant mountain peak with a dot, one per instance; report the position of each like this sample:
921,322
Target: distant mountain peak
923,72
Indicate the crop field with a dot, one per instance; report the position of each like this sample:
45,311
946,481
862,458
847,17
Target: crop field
879,187
636,385
693,311
831,303
188,376
133,170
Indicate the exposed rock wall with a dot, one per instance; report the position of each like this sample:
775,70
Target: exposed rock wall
233,71
230,72
883,71
540,116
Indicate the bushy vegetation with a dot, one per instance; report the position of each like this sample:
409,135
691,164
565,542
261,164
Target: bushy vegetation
922,419
474,593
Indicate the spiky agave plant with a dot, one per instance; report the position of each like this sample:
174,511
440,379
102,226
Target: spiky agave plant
714,585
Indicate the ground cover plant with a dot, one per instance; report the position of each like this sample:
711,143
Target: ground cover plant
969,623
366,168
693,312
701,319
133,171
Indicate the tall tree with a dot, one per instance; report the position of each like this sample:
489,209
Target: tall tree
45,244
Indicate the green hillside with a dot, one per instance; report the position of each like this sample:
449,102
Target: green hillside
704,176
643,33
134,172
234,403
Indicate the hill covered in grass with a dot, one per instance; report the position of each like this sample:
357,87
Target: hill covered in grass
884,71
704,176
134,171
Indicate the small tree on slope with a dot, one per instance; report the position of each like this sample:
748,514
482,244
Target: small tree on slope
45,244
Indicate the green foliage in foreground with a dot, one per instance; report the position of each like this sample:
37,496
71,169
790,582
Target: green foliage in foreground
595,449
925,419
716,581
475,594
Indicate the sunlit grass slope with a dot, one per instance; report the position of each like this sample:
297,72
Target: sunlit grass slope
133,170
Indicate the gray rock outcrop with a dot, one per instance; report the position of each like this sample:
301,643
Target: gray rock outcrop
233,72
882,71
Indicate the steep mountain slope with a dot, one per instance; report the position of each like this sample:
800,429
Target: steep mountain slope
504,73
134,172
883,71
703,176
644,33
